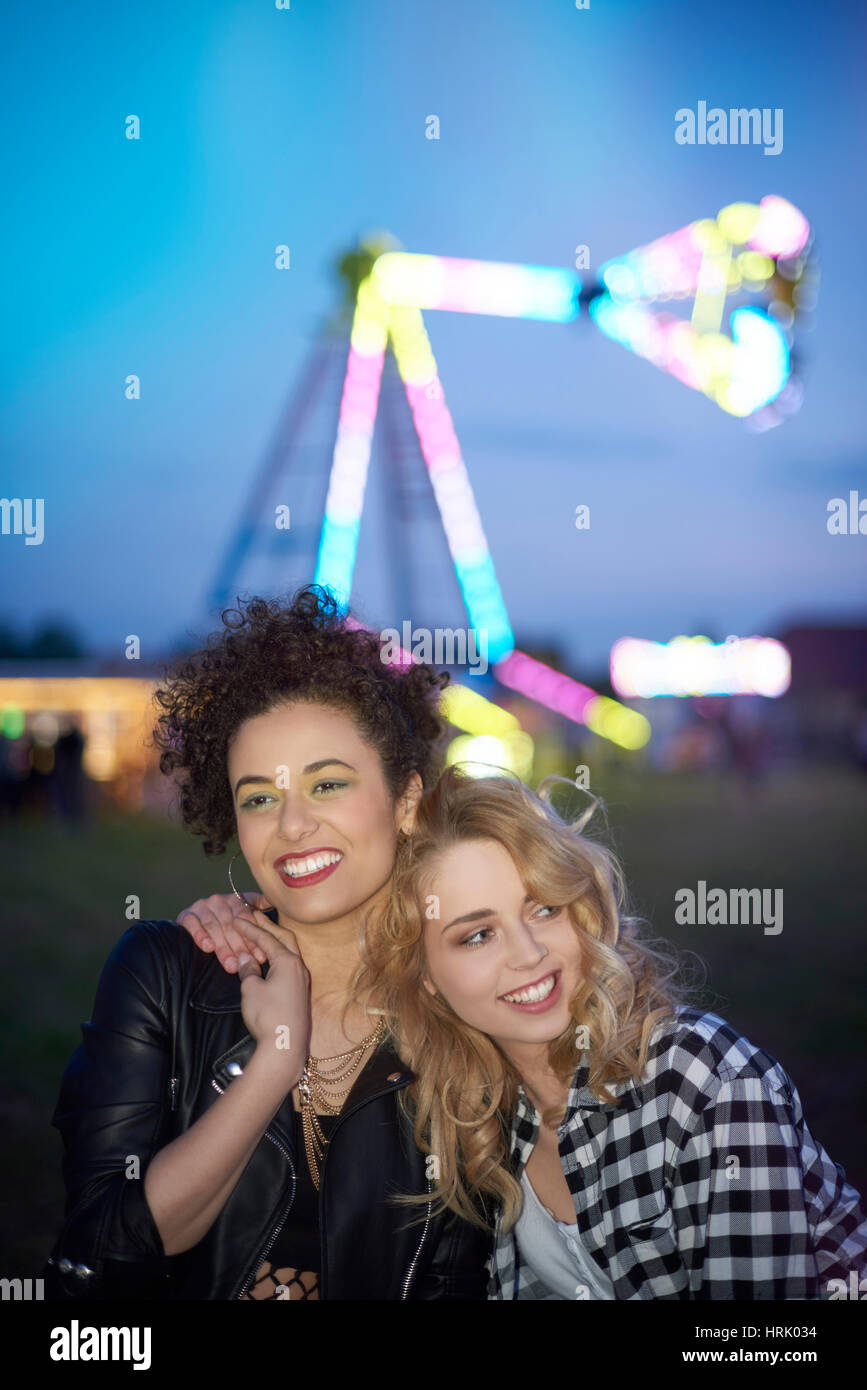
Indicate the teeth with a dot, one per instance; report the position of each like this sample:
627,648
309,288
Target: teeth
298,868
534,994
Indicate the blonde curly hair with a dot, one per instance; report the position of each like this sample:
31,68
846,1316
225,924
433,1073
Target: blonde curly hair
465,1088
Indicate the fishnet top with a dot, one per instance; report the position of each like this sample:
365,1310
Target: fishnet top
291,1269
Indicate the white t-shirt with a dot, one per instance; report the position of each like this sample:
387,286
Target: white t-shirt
554,1252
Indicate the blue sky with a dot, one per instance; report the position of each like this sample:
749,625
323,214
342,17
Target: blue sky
307,127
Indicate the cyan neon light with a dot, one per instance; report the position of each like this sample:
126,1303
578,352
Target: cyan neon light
759,363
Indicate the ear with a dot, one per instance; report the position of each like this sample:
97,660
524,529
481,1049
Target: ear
429,985
407,804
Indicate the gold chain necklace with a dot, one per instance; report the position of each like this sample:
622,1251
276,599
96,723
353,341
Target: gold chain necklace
311,1090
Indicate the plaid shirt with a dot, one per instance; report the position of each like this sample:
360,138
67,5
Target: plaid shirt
704,1182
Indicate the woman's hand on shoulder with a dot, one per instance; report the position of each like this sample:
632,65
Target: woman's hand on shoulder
276,1010
214,925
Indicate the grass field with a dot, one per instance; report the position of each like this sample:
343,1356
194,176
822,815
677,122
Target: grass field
799,994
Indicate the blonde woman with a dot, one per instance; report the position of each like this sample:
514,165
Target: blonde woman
638,1148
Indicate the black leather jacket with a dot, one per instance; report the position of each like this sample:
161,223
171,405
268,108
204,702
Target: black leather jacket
165,1039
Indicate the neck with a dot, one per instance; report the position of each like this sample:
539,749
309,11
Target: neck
330,951
543,1086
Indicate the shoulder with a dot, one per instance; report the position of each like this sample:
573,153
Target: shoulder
150,954
696,1054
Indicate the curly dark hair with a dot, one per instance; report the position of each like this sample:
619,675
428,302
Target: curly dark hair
272,652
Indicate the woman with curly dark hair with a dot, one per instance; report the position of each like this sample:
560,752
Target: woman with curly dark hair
238,1136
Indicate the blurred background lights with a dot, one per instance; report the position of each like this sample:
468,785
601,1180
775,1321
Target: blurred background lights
478,287
703,260
12,721
760,363
697,666
781,229
737,222
625,727
468,710
569,697
45,728
486,755
743,371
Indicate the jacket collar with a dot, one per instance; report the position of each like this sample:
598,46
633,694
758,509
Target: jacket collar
582,1107
581,1099
215,991
384,1072
211,988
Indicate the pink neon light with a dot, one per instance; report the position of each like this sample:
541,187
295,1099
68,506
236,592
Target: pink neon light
404,658
366,366
356,395
436,431
433,422
468,286
550,688
361,385
671,264
782,229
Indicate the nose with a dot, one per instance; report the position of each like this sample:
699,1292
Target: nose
524,951
298,818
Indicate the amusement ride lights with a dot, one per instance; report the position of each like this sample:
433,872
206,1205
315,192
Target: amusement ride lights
748,247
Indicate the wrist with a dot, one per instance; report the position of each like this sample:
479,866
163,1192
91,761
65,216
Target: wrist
281,1066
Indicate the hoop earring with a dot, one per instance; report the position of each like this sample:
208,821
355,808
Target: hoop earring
232,881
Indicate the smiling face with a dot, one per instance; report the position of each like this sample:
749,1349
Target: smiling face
315,816
510,969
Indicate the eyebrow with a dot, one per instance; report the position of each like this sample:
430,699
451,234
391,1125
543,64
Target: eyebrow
479,914
311,767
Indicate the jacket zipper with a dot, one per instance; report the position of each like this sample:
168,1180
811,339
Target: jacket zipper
276,1142
173,1085
411,1271
414,1261
344,1115
246,1281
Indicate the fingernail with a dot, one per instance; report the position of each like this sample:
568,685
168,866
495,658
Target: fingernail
243,958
